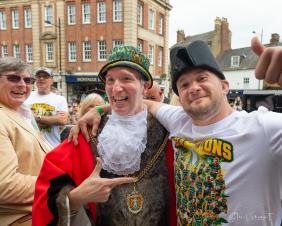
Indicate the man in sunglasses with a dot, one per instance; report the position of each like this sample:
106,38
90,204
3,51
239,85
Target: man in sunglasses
50,109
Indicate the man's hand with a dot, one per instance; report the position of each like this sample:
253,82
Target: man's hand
269,66
91,118
94,188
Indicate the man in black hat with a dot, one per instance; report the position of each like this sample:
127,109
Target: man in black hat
226,162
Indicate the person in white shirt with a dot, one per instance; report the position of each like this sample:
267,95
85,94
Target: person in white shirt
50,109
227,163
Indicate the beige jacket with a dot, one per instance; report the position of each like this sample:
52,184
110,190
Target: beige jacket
22,151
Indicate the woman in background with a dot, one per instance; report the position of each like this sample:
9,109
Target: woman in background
89,102
85,105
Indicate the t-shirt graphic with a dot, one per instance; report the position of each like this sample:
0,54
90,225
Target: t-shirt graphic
42,109
200,185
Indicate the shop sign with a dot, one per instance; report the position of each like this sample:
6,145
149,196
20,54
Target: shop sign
81,79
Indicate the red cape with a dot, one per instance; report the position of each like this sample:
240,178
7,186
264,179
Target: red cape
63,166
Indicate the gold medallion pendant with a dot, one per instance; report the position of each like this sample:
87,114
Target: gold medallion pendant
134,201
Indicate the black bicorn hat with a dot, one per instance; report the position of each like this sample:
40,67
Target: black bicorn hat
195,55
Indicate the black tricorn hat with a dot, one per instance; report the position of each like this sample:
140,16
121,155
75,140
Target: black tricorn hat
195,55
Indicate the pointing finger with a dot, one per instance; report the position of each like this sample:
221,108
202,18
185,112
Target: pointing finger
120,180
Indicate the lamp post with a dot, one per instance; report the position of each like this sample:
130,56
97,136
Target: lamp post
261,39
60,47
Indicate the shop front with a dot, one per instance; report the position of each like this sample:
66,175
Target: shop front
78,86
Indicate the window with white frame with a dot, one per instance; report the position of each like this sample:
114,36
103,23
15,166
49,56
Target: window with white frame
117,10
246,82
140,45
28,53
48,15
49,52
71,14
4,51
235,61
15,19
117,43
72,51
3,20
161,24
160,57
86,51
27,18
16,51
140,14
86,13
102,55
151,54
101,12
151,19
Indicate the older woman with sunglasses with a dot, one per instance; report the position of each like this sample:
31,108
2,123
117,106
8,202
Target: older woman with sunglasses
22,148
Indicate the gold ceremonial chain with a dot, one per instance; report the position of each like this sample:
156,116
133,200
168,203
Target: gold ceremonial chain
135,198
153,160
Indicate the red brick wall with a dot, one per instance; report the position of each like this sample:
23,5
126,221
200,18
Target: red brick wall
225,42
21,36
94,31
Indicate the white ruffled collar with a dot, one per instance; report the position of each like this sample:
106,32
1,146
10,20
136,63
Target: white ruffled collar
122,141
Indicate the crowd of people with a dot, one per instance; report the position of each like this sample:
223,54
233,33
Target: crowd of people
197,161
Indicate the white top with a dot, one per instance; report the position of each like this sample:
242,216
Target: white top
46,105
248,147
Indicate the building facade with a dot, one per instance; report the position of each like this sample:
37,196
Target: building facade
239,66
218,39
73,38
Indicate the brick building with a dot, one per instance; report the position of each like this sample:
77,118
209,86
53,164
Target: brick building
74,37
218,40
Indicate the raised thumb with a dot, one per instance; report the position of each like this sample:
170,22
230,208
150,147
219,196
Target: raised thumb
257,46
97,169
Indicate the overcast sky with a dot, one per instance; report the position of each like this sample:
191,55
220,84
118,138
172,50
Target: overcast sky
244,16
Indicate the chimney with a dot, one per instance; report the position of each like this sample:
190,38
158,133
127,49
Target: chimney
274,39
217,24
180,36
225,35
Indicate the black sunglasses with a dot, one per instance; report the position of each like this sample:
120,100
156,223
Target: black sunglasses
17,79
42,75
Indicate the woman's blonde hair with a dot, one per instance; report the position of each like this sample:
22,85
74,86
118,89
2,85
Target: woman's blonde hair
175,100
84,104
